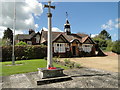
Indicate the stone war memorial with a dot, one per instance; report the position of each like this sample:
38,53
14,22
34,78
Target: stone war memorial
50,73
62,56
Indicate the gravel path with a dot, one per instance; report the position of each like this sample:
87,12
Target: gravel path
108,63
82,78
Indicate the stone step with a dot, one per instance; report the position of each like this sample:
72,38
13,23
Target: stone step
53,80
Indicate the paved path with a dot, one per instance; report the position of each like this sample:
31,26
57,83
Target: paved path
81,79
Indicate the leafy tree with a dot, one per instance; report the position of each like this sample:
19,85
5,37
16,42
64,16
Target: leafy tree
105,35
116,47
8,34
103,40
6,42
100,42
21,43
109,45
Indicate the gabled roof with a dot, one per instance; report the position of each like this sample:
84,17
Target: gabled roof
54,35
69,37
82,35
84,39
25,36
34,34
72,37
75,40
60,35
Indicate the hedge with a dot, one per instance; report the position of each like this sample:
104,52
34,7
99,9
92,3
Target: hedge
24,52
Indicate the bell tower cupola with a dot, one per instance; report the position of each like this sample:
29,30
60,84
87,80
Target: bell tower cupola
67,26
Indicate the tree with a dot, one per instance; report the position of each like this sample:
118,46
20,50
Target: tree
105,35
8,34
103,40
116,47
109,45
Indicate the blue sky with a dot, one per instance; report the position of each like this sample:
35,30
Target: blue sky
84,17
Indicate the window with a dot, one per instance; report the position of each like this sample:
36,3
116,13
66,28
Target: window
87,48
87,45
29,42
59,47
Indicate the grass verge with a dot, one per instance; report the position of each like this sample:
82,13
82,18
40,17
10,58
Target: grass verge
25,66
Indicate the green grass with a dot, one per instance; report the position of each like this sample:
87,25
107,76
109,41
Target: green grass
26,66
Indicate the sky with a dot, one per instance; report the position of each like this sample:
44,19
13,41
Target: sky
85,17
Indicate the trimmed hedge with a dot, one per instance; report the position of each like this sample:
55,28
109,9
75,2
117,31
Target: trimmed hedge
24,52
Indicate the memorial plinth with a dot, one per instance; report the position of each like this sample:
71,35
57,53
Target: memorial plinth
50,73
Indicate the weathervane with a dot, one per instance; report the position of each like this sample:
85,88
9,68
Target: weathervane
66,15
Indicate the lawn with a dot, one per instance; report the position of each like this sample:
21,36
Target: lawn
24,66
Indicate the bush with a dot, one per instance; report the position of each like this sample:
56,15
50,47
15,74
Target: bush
77,65
24,52
21,43
67,61
70,64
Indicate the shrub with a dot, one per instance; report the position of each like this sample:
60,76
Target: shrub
24,52
77,65
71,64
6,53
67,61
21,43
54,59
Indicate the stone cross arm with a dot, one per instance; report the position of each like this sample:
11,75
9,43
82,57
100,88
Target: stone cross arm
48,6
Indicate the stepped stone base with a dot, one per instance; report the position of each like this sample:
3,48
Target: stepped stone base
50,73
53,80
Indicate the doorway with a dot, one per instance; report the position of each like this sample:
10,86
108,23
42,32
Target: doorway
74,50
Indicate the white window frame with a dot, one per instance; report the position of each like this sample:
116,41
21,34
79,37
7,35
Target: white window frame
59,47
87,47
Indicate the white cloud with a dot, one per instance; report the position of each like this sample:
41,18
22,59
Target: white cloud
25,12
4,28
117,25
18,32
111,24
36,26
54,29
93,35
114,35
117,20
